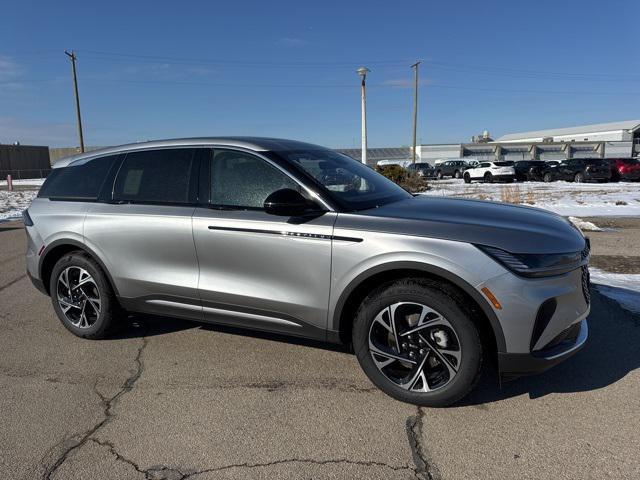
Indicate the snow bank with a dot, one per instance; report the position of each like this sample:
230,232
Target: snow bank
585,226
30,181
13,203
622,287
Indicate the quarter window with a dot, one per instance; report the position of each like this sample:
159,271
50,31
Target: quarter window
156,176
241,180
80,180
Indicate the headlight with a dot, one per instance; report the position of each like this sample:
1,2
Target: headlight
537,264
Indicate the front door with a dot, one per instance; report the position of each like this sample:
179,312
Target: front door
258,270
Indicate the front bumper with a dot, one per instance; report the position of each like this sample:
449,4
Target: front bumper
514,365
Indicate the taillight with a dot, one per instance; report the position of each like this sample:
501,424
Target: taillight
26,219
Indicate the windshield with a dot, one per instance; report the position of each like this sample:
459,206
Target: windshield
348,182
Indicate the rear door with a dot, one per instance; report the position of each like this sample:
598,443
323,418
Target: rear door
143,232
480,170
259,270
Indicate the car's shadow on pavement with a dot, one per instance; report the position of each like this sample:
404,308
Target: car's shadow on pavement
611,352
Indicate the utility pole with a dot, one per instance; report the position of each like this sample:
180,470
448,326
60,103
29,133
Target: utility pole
415,108
362,71
73,58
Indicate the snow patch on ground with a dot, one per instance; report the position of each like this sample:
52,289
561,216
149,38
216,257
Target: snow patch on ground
585,226
13,203
624,288
564,198
37,182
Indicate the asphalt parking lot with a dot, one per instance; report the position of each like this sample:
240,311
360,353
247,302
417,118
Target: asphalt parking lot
169,399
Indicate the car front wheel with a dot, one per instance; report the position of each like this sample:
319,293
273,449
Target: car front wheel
467,178
579,177
546,178
488,178
82,297
417,344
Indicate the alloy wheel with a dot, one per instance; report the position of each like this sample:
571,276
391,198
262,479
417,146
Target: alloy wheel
78,296
414,347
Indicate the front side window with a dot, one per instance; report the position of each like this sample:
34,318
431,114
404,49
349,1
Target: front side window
156,176
80,180
348,182
244,181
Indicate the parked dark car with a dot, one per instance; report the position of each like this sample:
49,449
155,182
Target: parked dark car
422,169
578,170
451,168
529,170
625,169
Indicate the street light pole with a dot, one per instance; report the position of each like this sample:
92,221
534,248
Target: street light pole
73,58
362,71
415,109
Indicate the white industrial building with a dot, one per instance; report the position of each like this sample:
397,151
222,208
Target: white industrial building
600,132
602,140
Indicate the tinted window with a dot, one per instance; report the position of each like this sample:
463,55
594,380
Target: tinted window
79,180
242,180
484,165
503,164
158,176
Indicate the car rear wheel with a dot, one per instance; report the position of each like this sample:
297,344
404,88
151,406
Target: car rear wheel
467,178
579,177
439,175
82,296
547,178
457,174
488,178
415,342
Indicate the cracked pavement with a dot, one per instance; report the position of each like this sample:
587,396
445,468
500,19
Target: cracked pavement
170,399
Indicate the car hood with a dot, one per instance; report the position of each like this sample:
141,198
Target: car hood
517,229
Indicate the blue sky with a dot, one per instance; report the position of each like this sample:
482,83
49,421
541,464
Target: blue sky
287,68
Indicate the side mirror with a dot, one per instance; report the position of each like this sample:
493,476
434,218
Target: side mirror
287,203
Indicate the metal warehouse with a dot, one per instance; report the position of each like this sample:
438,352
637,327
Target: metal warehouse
602,140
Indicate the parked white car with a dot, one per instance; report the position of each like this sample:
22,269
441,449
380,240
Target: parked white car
490,172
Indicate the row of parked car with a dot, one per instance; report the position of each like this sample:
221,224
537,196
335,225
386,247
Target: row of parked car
571,170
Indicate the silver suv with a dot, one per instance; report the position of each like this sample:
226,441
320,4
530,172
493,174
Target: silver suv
293,238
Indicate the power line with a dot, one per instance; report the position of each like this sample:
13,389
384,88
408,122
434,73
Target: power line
98,80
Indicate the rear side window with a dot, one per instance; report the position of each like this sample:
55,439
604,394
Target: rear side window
156,176
81,180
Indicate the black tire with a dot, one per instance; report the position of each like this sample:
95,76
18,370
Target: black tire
439,175
457,174
109,310
578,177
488,178
450,305
467,178
546,178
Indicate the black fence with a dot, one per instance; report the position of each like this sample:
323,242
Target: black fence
24,161
25,173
